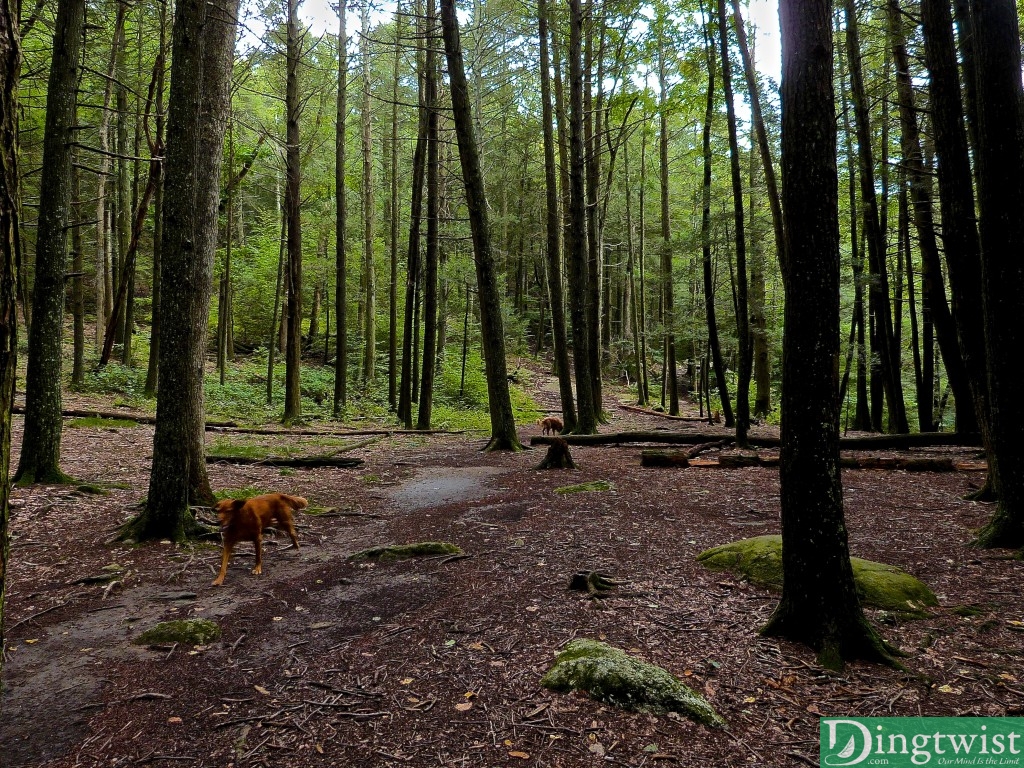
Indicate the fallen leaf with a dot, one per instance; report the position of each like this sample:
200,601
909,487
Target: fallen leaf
813,709
464,706
174,720
278,618
469,694
405,680
752,699
597,748
261,689
318,748
950,689
532,608
520,755
32,642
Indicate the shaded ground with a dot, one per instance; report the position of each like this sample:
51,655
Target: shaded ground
326,662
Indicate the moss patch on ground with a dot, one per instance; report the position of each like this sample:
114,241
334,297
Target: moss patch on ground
406,551
759,560
185,631
92,422
614,677
593,485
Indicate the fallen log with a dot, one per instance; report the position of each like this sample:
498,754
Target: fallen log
678,458
741,460
660,415
870,442
306,462
141,418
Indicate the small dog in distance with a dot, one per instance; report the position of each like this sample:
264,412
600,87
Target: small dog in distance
245,519
551,425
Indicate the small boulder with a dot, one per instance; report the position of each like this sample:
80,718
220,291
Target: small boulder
614,677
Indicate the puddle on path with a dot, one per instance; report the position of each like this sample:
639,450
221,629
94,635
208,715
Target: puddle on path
437,486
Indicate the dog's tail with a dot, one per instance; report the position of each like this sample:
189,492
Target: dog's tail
295,502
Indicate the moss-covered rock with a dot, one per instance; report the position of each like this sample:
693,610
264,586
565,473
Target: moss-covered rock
614,677
406,551
759,560
185,631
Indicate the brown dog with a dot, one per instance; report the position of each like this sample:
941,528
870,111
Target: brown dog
551,425
245,519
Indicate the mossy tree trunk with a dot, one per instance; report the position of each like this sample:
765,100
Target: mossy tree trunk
40,449
10,66
430,265
503,425
203,46
340,224
819,604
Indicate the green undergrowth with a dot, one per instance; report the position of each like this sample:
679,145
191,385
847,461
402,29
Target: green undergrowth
759,560
247,492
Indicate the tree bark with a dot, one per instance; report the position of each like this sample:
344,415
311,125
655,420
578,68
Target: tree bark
962,249
503,426
875,235
340,224
553,231
40,448
742,312
920,191
819,604
667,286
430,264
1000,161
10,70
203,46
369,272
293,213
714,346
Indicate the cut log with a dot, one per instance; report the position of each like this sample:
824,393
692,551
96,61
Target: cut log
678,458
741,460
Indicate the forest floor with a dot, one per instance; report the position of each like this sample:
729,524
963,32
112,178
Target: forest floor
436,662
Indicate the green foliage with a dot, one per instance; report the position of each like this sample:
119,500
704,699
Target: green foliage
246,492
593,485
115,379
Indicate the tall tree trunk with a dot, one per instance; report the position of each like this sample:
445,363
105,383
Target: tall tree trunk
592,179
433,233
760,133
292,202
576,261
641,248
760,342
554,256
10,69
631,301
714,346
819,604
369,274
393,285
341,217
1001,199
862,410
962,249
40,448
203,47
503,426
273,341
667,287
875,235
406,395
742,313
919,179
104,289
78,284
158,215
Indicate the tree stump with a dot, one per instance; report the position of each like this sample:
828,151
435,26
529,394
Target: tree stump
558,456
